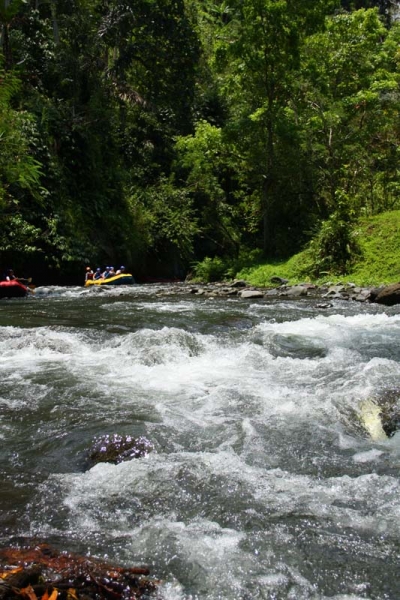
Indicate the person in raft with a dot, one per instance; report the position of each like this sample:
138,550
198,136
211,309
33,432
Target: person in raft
106,273
10,276
89,274
97,275
120,271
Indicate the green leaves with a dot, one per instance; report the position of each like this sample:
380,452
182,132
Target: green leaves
168,218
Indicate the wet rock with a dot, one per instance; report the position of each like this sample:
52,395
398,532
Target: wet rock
390,421
39,572
373,293
118,448
370,419
361,295
334,290
279,280
390,295
380,414
295,290
251,294
238,283
389,403
270,293
333,296
217,290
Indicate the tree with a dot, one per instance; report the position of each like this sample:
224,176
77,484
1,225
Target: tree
203,163
8,10
348,99
258,54
19,175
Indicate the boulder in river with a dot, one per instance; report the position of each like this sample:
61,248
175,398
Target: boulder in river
380,414
238,283
389,295
279,280
118,448
251,294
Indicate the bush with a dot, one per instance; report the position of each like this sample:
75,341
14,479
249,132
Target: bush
209,269
220,269
335,248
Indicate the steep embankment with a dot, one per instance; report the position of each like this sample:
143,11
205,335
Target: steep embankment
379,263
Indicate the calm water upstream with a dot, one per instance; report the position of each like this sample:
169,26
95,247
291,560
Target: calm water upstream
262,485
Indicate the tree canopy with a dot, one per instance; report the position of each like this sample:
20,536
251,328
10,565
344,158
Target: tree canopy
162,132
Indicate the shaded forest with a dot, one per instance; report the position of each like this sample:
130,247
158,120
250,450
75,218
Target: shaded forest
162,133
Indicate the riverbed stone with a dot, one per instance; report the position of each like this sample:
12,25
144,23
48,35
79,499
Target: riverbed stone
279,280
239,283
295,290
251,294
389,295
226,289
336,289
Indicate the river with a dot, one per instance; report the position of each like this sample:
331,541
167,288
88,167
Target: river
262,484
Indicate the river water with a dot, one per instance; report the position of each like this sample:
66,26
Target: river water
263,483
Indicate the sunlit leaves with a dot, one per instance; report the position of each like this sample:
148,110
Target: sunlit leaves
350,97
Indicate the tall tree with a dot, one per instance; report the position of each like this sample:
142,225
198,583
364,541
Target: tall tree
348,95
19,175
258,51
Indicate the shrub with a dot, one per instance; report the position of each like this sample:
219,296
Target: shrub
335,248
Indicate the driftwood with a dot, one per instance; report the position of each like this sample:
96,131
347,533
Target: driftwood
42,573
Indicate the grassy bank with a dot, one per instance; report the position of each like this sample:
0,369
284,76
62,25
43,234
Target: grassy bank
378,264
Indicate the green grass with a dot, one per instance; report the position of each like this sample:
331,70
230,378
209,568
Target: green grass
379,264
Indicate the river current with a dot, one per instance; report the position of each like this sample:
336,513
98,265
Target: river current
263,483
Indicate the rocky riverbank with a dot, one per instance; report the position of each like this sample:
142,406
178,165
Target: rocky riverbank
387,295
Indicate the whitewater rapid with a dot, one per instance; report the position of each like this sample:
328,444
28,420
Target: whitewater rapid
264,483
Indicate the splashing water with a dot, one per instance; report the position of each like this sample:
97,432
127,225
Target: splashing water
266,480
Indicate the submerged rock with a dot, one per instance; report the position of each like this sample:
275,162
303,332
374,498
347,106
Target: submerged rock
118,448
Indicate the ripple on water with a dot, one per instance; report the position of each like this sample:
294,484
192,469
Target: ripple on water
263,483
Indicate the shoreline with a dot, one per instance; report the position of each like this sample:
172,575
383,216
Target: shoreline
244,290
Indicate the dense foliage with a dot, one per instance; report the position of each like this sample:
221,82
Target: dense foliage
164,133
378,262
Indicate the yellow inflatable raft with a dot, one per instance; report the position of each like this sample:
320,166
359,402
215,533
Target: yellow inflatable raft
123,279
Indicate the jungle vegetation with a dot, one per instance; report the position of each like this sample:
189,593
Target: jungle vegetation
165,133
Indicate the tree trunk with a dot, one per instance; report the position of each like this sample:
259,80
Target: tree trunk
267,186
56,32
